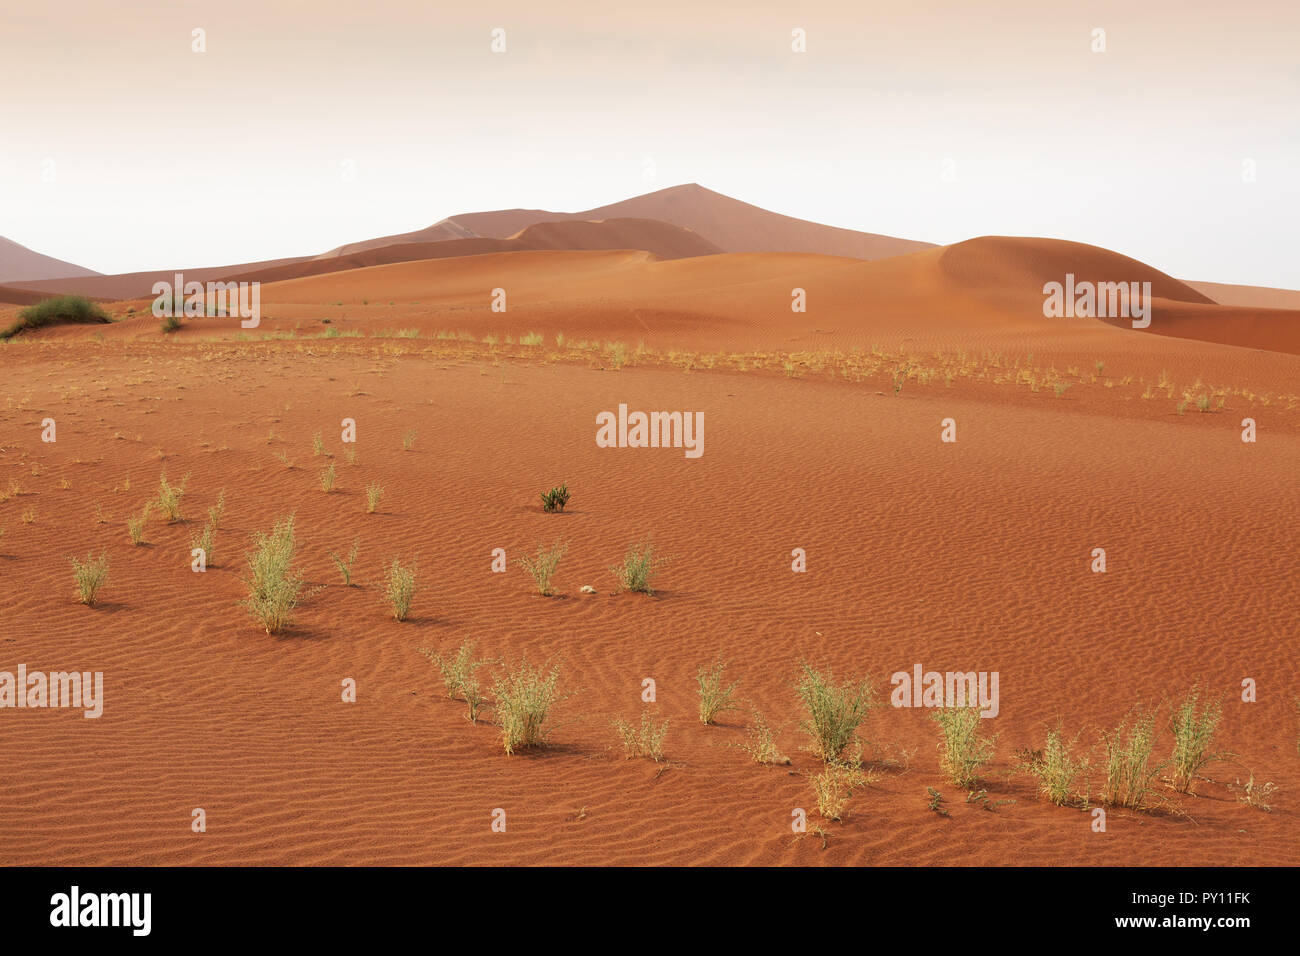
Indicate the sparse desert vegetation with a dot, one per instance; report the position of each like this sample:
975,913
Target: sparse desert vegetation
716,695
645,739
274,585
1058,769
524,697
553,501
399,588
964,749
640,565
833,713
90,573
1130,770
542,566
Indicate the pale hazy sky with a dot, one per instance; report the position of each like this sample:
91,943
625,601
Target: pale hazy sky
163,157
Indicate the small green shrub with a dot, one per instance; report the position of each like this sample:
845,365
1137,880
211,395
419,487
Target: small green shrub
640,565
964,748
274,587
524,698
1193,727
399,589
715,695
834,712
645,740
554,500
169,497
135,525
542,567
1129,769
1057,768
344,566
60,310
90,576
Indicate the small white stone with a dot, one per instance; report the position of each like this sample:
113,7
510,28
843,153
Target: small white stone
588,589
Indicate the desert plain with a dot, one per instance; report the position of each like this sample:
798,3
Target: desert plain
824,432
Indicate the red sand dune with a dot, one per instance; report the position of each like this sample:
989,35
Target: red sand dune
137,285
656,238
1250,296
992,285
18,265
732,225
11,296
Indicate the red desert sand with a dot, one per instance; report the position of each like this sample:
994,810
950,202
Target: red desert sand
823,433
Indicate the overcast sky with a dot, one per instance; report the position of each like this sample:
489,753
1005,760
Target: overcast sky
311,123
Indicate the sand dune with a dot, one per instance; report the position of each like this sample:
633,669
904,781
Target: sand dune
657,238
730,224
990,286
12,296
136,285
19,265
1250,296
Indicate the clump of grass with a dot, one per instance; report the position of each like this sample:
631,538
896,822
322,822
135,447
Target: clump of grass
554,500
457,671
542,567
524,699
834,787
328,479
345,565
834,712
532,338
217,512
1193,726
273,585
716,695
1060,388
135,525
408,440
56,311
170,324
1203,403
374,491
90,576
283,458
1129,769
29,515
760,742
639,567
1057,767
169,497
646,740
964,748
399,589
317,444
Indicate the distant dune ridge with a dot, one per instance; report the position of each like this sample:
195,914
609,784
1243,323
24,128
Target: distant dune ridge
732,225
18,263
713,242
